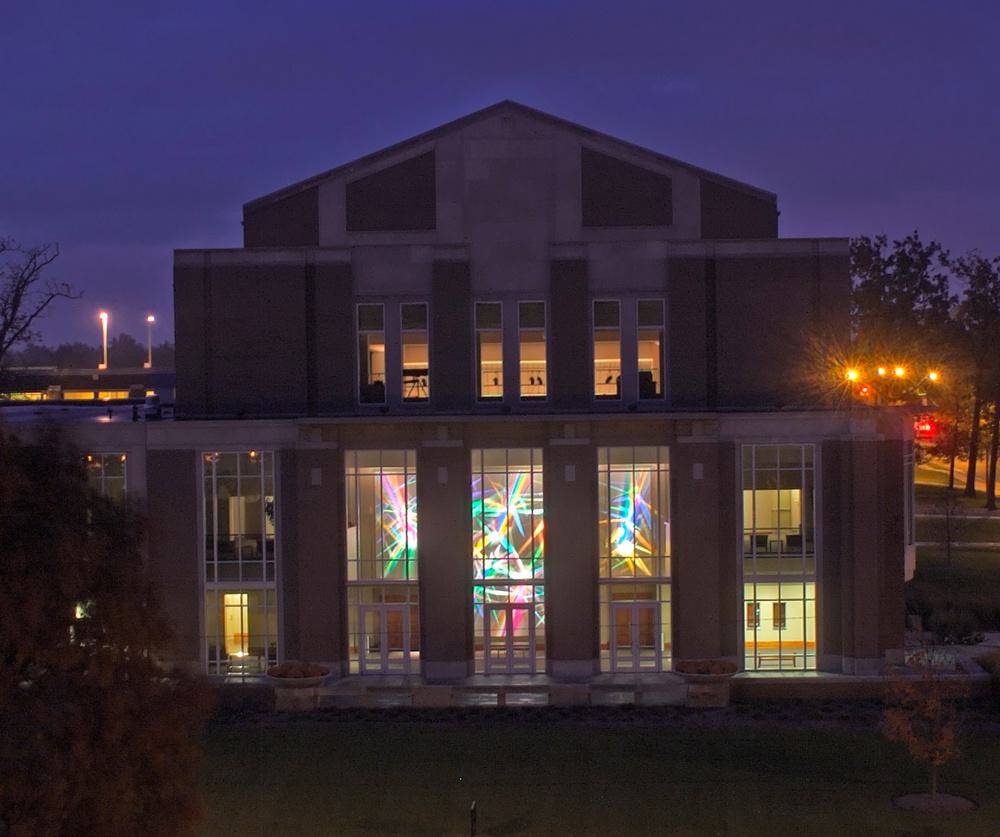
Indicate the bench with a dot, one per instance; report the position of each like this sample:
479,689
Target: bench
780,659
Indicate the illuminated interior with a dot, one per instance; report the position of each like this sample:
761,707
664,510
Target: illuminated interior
242,631
489,350
607,349
382,561
650,348
634,558
533,370
416,359
371,353
240,561
779,557
508,552
106,474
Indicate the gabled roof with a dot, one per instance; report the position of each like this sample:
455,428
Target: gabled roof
475,116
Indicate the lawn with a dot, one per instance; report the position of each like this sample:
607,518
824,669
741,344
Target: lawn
985,530
539,774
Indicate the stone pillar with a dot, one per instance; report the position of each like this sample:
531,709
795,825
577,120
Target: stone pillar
313,554
175,556
860,617
444,553
571,606
698,549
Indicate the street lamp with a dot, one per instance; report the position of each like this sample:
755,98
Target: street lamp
103,317
150,319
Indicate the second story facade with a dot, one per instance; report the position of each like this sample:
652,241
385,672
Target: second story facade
508,262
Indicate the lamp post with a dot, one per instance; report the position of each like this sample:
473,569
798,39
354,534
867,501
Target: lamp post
150,319
103,317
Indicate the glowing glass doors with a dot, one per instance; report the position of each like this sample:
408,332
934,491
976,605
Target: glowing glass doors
385,643
509,642
635,640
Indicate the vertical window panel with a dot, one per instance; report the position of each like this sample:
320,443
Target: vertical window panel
650,348
779,556
415,352
489,351
532,360
371,353
607,347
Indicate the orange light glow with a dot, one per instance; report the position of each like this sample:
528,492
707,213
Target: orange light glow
881,371
899,372
852,374
934,376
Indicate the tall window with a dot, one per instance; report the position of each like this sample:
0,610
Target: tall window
607,349
779,557
241,615
650,343
106,474
416,362
634,558
508,553
533,371
489,350
371,353
384,631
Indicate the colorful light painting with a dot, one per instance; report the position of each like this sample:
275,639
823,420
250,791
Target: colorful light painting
532,601
630,518
398,517
508,545
508,539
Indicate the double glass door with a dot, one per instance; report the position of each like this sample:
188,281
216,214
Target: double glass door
635,637
384,644
509,644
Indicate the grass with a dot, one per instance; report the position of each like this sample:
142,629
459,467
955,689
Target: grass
933,497
539,777
985,530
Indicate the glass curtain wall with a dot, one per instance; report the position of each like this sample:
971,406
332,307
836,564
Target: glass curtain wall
634,558
241,607
489,351
383,612
508,555
779,557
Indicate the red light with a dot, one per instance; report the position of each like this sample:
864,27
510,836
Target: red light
864,390
925,427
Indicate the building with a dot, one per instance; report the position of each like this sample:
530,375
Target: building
516,396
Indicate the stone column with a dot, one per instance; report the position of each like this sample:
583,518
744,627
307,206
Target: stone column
444,553
571,606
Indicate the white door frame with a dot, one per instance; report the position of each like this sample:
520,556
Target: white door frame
634,660
510,664
380,663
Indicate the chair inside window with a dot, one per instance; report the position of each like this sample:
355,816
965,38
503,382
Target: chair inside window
793,543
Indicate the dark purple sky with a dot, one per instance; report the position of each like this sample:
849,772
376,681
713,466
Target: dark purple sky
126,132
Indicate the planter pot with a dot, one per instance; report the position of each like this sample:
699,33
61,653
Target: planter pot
296,682
704,678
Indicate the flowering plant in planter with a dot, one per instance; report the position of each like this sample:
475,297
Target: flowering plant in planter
716,668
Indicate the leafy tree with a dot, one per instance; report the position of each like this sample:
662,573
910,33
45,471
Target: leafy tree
921,713
901,300
97,738
978,317
123,351
25,293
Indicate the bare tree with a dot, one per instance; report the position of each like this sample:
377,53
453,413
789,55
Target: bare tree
25,293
